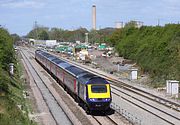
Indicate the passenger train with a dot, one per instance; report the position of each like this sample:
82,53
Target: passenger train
86,88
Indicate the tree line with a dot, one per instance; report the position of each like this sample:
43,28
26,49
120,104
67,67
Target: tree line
45,33
156,49
6,57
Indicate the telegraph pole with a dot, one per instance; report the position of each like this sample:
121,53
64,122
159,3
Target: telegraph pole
158,22
35,27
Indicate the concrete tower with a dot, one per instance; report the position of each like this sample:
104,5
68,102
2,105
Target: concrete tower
94,17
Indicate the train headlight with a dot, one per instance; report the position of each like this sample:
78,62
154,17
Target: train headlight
92,100
100,100
107,100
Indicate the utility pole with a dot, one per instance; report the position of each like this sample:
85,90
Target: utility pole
35,27
158,22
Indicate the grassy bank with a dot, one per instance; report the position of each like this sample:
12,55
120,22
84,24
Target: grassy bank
14,108
155,49
13,105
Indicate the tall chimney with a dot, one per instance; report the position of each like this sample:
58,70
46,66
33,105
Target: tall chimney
94,17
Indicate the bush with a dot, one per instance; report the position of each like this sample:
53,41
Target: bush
155,49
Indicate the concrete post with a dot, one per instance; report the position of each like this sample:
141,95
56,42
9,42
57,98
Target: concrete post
11,68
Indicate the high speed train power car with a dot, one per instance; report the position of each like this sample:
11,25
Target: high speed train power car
88,89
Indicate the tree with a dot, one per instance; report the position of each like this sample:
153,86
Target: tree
79,34
155,49
115,37
43,35
16,38
6,49
100,36
56,34
36,32
131,24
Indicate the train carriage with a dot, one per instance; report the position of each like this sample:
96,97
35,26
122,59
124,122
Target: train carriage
38,56
95,91
44,57
47,61
54,64
86,87
61,71
71,78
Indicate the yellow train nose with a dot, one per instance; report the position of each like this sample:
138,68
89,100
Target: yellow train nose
99,91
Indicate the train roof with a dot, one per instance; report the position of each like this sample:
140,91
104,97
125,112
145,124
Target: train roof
64,65
82,74
75,70
46,54
57,60
39,51
90,78
51,58
86,77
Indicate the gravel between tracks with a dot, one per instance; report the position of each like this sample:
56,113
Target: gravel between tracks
70,103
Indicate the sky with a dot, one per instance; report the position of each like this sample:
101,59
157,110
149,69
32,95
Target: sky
19,16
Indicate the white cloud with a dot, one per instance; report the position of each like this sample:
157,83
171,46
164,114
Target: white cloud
22,4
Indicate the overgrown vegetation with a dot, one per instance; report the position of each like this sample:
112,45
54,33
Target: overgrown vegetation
13,110
155,49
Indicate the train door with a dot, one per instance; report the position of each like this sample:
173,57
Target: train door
78,88
81,90
85,91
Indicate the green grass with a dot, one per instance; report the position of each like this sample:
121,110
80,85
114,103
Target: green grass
10,113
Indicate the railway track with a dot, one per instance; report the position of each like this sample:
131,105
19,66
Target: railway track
161,114
146,95
55,109
99,118
103,120
118,83
161,101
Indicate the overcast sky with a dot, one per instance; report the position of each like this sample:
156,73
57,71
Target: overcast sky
18,16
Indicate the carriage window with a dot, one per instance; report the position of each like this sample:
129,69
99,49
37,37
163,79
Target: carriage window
99,88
